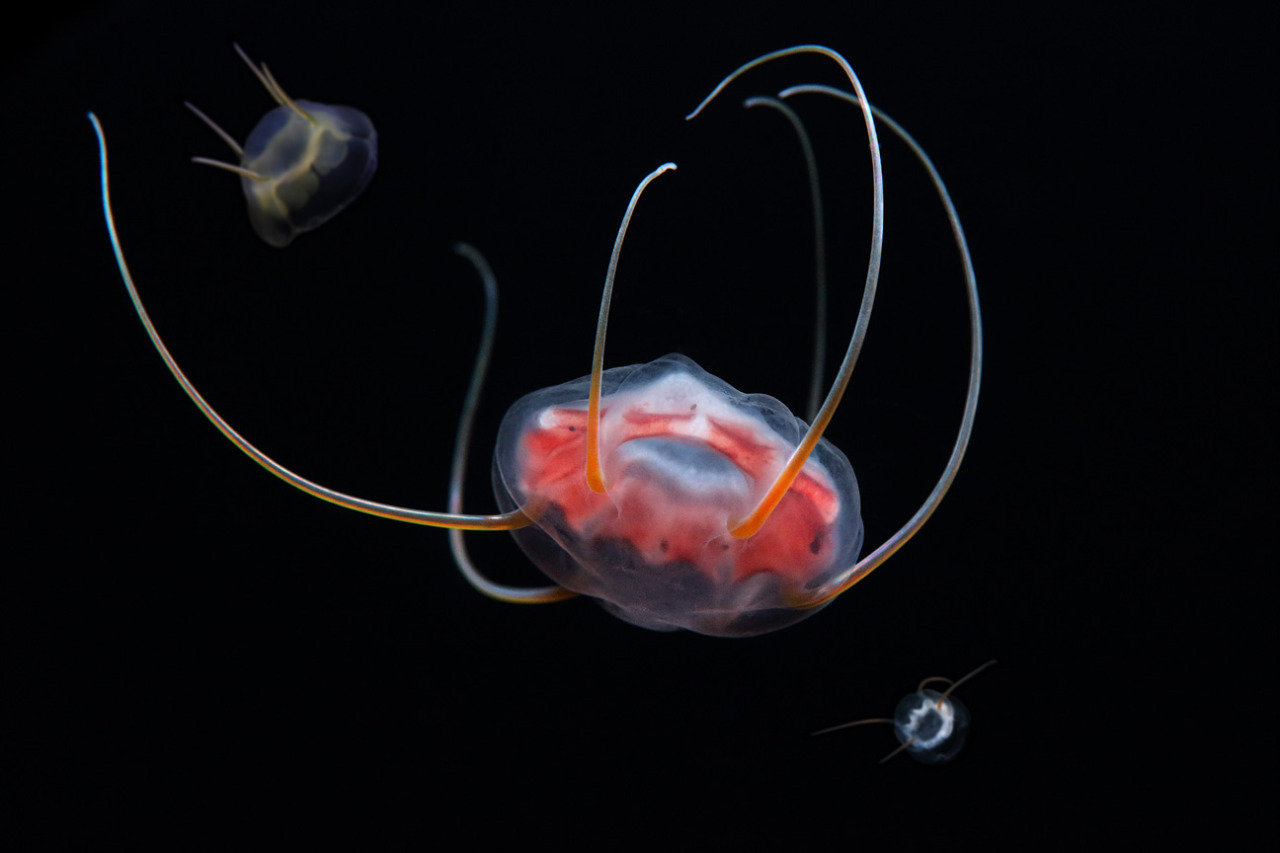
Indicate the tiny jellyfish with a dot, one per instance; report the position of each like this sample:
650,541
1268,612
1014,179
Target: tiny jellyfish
659,490
302,163
930,726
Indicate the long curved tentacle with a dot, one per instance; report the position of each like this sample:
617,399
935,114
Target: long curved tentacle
819,250
462,448
505,521
595,474
865,566
752,522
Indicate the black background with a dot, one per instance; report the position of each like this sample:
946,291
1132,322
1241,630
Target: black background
197,642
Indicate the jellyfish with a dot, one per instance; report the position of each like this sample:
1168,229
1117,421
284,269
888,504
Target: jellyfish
674,500
302,163
930,726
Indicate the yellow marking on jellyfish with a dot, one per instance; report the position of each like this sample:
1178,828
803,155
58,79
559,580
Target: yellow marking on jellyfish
302,163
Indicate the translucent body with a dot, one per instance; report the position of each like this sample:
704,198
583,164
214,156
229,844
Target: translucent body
314,164
684,455
932,729
302,163
930,726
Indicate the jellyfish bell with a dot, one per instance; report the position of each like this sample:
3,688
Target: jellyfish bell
301,165
685,455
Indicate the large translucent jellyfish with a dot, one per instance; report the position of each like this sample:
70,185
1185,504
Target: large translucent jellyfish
657,489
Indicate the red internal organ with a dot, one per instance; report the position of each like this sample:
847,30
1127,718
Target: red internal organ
664,521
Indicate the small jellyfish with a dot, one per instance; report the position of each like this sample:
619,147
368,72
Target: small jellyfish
301,164
931,726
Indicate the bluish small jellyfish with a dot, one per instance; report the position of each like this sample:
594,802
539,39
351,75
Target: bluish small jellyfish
931,726
302,164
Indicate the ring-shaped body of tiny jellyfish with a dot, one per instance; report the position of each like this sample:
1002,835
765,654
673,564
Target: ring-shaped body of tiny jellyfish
931,727
302,163
670,497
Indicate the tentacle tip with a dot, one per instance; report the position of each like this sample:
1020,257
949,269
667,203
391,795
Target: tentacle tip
97,129
697,111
